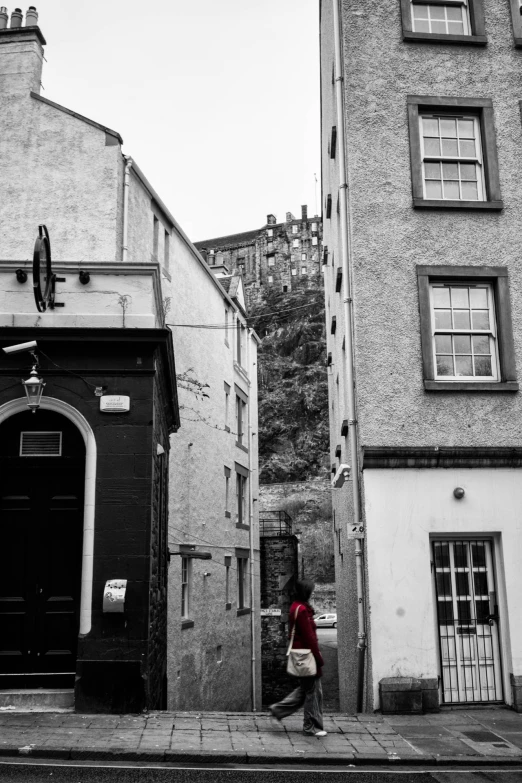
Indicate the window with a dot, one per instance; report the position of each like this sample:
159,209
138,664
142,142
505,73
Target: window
466,333
270,232
241,409
271,260
303,256
239,346
227,491
453,153
155,236
226,325
329,205
516,17
228,563
227,406
186,569
333,146
303,270
242,516
447,21
294,271
295,228
270,279
314,226
243,593
314,240
285,289
295,243
166,250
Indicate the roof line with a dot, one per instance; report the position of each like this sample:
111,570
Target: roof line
175,225
98,125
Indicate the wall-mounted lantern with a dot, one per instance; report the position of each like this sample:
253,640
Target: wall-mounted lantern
34,387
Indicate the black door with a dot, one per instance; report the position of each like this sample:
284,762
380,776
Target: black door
42,470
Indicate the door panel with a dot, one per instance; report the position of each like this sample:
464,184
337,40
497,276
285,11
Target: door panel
467,621
41,531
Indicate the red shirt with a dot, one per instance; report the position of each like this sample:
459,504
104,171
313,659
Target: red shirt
305,637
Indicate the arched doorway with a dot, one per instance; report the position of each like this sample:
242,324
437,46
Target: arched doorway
42,477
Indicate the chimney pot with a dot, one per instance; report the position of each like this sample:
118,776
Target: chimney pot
16,18
31,17
3,17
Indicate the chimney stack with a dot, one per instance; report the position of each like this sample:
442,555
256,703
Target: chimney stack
16,18
304,212
271,220
3,17
31,17
289,217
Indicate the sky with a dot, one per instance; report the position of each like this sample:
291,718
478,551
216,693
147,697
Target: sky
216,100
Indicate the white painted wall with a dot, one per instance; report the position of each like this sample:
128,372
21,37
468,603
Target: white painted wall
403,509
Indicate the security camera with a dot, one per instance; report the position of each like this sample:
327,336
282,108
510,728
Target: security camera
21,347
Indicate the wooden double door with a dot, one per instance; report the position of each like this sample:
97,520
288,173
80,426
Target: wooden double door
42,472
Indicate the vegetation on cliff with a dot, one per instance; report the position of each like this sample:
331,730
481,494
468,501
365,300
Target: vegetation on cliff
293,387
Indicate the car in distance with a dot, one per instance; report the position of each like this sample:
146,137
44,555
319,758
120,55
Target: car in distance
326,620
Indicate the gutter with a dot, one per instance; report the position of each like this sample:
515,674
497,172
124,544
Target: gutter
350,392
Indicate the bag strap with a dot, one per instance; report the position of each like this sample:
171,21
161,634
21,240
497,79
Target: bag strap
293,632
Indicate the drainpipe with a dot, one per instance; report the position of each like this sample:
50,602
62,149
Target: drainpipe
251,530
126,186
346,253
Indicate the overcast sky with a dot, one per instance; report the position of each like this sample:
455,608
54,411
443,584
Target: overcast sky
217,100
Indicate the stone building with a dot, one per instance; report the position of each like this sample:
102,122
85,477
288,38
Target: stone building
278,254
422,210
130,288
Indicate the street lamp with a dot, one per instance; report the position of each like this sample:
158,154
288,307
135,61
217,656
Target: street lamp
34,387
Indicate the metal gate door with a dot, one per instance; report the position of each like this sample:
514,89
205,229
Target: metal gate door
467,621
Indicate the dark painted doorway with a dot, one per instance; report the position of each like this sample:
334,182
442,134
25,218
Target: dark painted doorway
42,473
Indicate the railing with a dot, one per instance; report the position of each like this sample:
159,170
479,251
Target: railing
275,523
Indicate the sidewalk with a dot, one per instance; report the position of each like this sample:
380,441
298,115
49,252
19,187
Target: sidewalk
471,737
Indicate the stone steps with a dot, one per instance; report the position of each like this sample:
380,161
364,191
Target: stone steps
38,700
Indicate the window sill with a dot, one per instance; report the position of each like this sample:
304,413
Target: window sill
246,610
228,606
425,203
187,624
240,526
227,514
470,386
240,446
470,40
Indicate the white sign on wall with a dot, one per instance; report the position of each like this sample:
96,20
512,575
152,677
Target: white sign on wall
270,612
114,403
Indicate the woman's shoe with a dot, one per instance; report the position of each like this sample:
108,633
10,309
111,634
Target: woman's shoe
314,733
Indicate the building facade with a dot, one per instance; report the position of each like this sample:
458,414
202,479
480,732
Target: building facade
278,254
110,233
422,140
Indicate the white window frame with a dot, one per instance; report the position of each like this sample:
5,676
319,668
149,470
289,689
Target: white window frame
270,232
303,270
270,279
465,16
491,332
186,579
295,228
241,499
477,159
314,240
295,243
271,260
294,270
314,226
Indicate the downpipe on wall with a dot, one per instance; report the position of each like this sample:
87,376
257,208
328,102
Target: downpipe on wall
126,187
350,396
251,529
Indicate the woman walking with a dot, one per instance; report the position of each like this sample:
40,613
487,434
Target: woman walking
309,692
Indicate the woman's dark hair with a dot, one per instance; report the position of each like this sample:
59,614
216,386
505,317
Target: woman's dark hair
303,590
